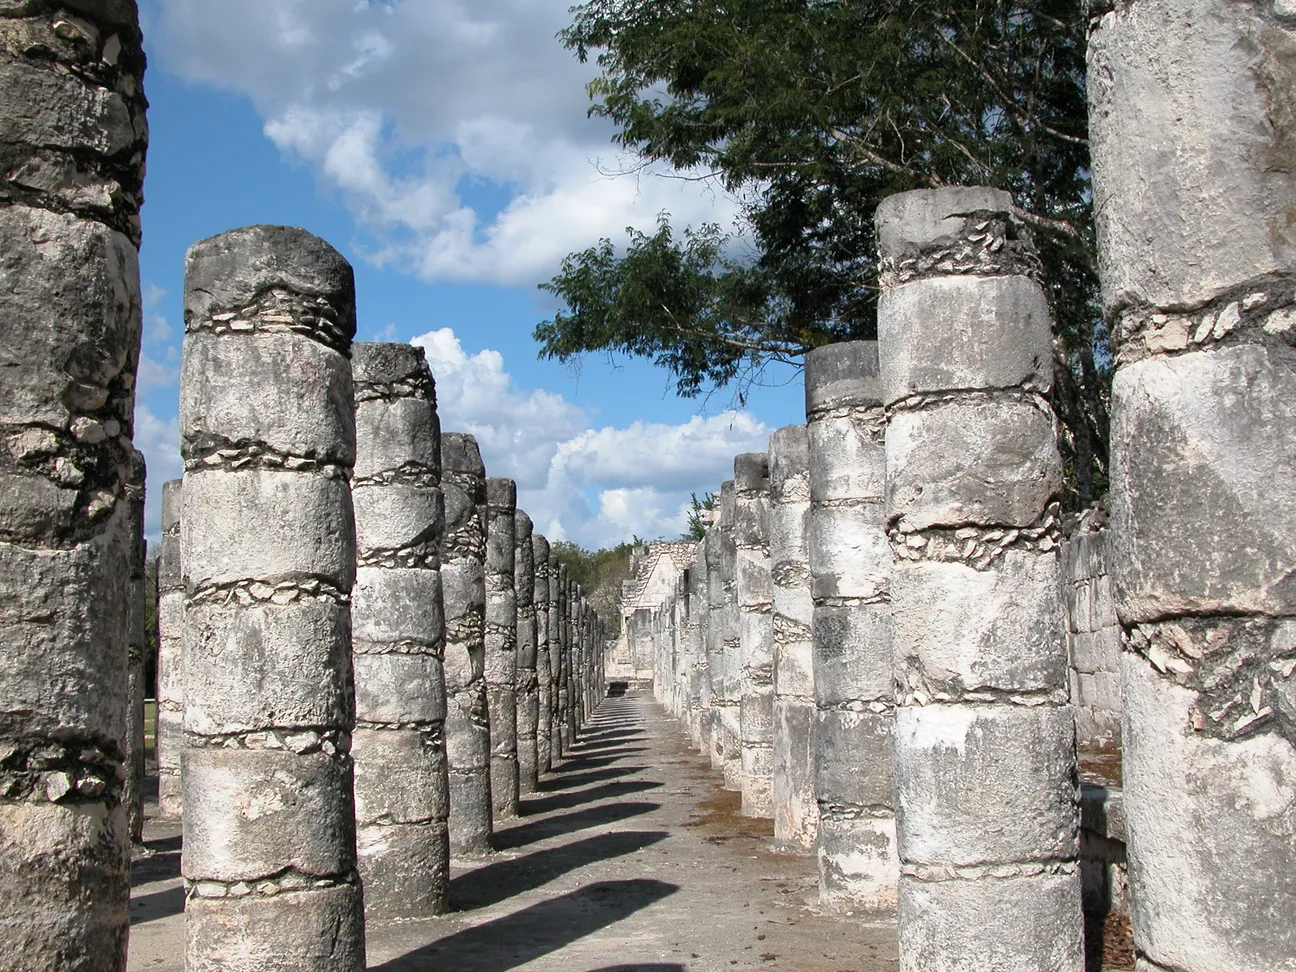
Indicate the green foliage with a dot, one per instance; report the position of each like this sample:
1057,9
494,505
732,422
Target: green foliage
697,528
599,573
811,112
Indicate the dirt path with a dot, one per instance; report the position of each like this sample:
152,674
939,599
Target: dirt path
630,859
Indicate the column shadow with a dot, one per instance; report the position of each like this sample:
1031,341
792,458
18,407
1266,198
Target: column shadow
160,904
575,798
568,823
516,939
501,880
579,761
553,784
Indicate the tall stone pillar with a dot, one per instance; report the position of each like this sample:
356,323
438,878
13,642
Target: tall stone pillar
985,762
137,648
169,732
1195,196
401,784
528,699
267,529
74,134
850,565
729,690
544,680
700,591
501,643
755,594
571,661
463,582
557,651
796,809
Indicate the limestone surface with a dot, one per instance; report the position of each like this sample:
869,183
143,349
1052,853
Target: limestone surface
501,643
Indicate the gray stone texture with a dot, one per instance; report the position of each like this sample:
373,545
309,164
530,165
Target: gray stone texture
267,530
72,112
729,697
1095,635
463,584
700,588
544,679
401,782
557,659
169,734
755,592
137,648
796,809
501,643
984,739
528,689
851,668
1194,124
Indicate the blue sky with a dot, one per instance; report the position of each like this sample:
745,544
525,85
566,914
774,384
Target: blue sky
443,147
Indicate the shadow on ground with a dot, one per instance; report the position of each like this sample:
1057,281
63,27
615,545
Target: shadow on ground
569,823
575,798
526,935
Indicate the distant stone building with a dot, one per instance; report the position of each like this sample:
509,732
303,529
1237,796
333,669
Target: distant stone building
655,573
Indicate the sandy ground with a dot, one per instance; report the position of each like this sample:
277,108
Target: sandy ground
631,858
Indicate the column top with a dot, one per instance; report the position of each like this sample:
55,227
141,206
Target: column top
843,375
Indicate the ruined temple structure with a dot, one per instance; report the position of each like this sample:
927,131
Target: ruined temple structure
980,724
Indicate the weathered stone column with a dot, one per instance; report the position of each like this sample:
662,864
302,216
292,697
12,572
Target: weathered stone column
755,594
544,680
74,134
528,699
463,581
796,809
557,649
729,693
700,588
850,565
401,784
1195,195
267,529
985,764
570,661
133,789
501,643
169,734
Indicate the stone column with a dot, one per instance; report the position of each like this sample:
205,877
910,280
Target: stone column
700,592
544,680
985,766
133,789
74,133
1195,195
729,689
715,642
463,582
528,698
755,594
850,565
501,643
796,809
571,648
267,529
169,733
401,784
557,648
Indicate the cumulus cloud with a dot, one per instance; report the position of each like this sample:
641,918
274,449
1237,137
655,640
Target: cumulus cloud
408,108
595,486
159,440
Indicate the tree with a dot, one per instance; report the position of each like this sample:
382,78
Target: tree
697,523
599,573
811,112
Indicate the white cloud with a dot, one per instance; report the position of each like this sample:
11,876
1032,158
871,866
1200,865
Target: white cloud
596,487
404,107
159,440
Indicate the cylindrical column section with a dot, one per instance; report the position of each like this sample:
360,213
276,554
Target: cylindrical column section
755,594
985,761
796,809
74,135
463,585
528,689
700,595
544,680
267,529
729,695
1195,199
850,565
401,785
558,692
169,731
501,643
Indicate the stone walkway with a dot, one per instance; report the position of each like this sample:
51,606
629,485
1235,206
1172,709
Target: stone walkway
630,859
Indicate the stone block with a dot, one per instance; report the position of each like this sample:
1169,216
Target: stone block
858,869
267,525
843,375
397,516
400,776
853,764
467,732
852,653
796,810
251,813
964,332
958,629
399,688
296,656
926,218
1223,421
283,390
390,432
850,555
1192,165
847,458
395,604
404,869
985,784
1027,924
320,930
992,462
